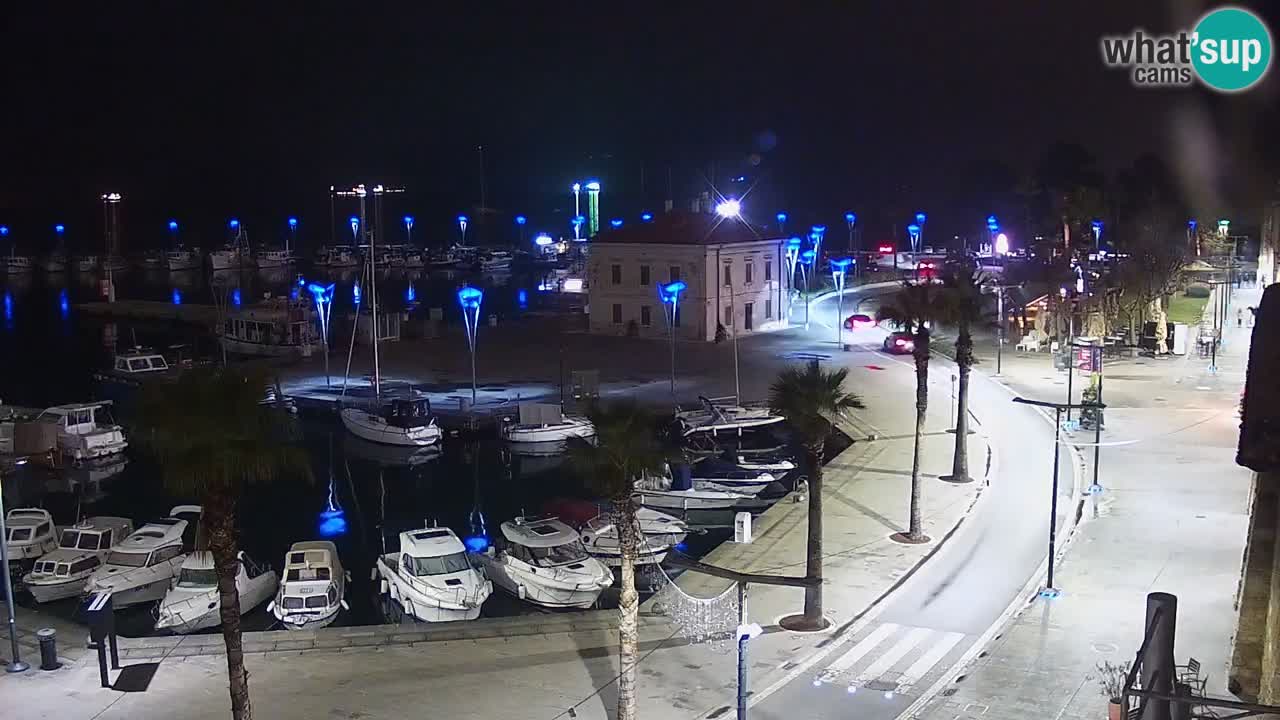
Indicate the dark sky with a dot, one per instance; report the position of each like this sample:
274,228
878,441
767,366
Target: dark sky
254,109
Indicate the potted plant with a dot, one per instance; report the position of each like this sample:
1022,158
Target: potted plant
1111,677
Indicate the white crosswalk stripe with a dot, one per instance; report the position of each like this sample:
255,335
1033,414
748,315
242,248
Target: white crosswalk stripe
917,670
879,658
854,654
891,657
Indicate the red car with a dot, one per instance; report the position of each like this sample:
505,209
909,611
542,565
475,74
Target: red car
859,321
899,343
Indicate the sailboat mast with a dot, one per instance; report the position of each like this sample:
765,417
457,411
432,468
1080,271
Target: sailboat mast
373,295
480,152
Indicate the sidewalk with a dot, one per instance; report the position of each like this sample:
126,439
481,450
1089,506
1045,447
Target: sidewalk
1172,518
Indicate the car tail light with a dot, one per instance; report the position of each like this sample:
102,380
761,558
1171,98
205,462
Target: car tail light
900,342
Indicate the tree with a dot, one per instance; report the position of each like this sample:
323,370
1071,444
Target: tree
213,437
811,400
961,306
913,310
627,447
1152,269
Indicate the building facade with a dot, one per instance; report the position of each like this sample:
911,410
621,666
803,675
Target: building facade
1269,247
735,277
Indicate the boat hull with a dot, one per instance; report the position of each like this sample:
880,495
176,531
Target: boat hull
676,500
259,349
304,621
146,592
547,434
423,607
368,426
49,592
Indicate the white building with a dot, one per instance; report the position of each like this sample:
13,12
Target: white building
736,277
1269,247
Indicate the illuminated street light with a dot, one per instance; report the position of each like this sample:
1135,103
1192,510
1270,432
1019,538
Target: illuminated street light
839,267
577,222
646,217
1002,244
615,223
816,233
1224,225
792,257
59,228
234,224
470,298
408,229
173,226
729,208
1096,226
1193,240
520,223
920,218
807,259
913,231
462,225
323,297
669,294
576,188
782,221
354,222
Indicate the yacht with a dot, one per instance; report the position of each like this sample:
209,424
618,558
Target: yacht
150,260
140,568
659,532
276,327
193,603
232,257
542,561
184,259
81,549
337,256
54,262
85,430
398,422
314,587
494,260
31,534
546,423
432,577
441,259
715,419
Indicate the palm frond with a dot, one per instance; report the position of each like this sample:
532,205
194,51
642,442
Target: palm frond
812,400
627,445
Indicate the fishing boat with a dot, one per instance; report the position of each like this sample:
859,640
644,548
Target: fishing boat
30,534
396,422
275,258
193,602
81,549
658,533
494,260
85,431
314,587
441,259
432,577
715,419
542,561
150,260
414,258
336,256
140,568
184,259
546,423
276,327
231,257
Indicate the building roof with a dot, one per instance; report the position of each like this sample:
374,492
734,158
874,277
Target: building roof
686,228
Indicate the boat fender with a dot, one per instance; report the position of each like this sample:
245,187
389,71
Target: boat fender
383,587
373,573
520,592
343,604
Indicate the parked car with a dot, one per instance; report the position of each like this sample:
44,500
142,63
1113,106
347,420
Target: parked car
859,321
899,343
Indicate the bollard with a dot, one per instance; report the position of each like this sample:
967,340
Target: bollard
48,648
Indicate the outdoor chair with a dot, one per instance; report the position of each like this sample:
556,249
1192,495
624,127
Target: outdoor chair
1029,343
1189,675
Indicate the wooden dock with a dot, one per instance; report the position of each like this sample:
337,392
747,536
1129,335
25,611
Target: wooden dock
154,311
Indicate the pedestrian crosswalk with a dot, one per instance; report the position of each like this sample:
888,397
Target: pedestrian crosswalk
893,658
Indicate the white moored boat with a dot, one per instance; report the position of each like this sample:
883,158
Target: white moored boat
314,587
277,327
62,573
54,262
16,264
29,535
432,577
543,561
183,259
714,473
140,568
715,419
680,494
546,423
658,533
193,603
338,256
398,422
274,258
775,464
85,430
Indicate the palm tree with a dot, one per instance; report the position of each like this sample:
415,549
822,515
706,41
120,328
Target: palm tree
212,437
626,449
961,306
913,309
811,400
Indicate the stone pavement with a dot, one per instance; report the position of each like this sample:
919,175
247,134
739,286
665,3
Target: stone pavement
1172,518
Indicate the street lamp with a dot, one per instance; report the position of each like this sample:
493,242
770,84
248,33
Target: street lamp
577,221
615,223
782,221
520,223
851,219
1224,225
816,233
913,230
354,222
576,188
792,256
669,294
646,217
462,225
293,233
729,208
838,269
470,298
807,259
323,297
1096,226
920,218
1193,242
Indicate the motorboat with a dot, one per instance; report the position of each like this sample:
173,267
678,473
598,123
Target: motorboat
87,263
414,258
721,474
398,422
446,258
274,258
114,263
184,259
389,455
276,327
15,264
150,260
658,533
546,423
54,262
679,493
494,260
140,568
542,561
715,419
137,366
314,588
232,257
81,549
772,463
337,256
85,430
432,577
193,602
30,534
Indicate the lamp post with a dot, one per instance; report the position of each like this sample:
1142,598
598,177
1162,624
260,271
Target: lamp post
781,217
520,223
792,257
920,218
1193,241
408,230
462,226
850,220
727,209
1096,226
913,231
323,296
354,222
669,294
838,269
577,223
993,227
15,662
593,208
470,298
577,189
807,259
816,233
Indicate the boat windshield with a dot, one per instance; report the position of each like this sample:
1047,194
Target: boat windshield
17,534
442,565
197,578
69,539
559,554
126,559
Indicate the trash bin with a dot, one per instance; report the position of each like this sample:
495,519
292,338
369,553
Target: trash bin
48,638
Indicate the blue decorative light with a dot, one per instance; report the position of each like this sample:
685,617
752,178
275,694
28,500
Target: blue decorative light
177,296
578,220
355,294
913,230
4,230
59,228
408,222
920,217
781,217
818,229
293,223
173,226
521,220
470,297
463,220
616,222
1192,224
332,523
522,298
410,294
593,186
646,217
476,543
234,224
670,293
682,546
235,297
8,306
64,305
850,218
991,220
320,293
808,256
839,265
354,222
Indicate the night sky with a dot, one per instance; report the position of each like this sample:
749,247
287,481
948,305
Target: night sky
254,109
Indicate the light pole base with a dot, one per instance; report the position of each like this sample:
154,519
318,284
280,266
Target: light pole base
16,667
955,480
1049,593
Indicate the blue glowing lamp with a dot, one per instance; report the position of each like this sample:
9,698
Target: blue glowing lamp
818,230
4,230
173,226
59,228
543,240
293,223
1097,228
593,186
993,227
177,296
521,220
1192,224
408,222
850,218
522,297
411,294
670,293
991,220
470,297
234,224
235,297
920,217
808,256
1223,224
914,230
794,244
575,187
476,543
355,294
646,217
616,222
354,222
839,265
322,294
578,221
782,217
64,305
333,522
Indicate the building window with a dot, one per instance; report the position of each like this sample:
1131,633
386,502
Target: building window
675,273
747,312
748,273
617,312
645,318
728,276
617,274
644,275
768,270
768,308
